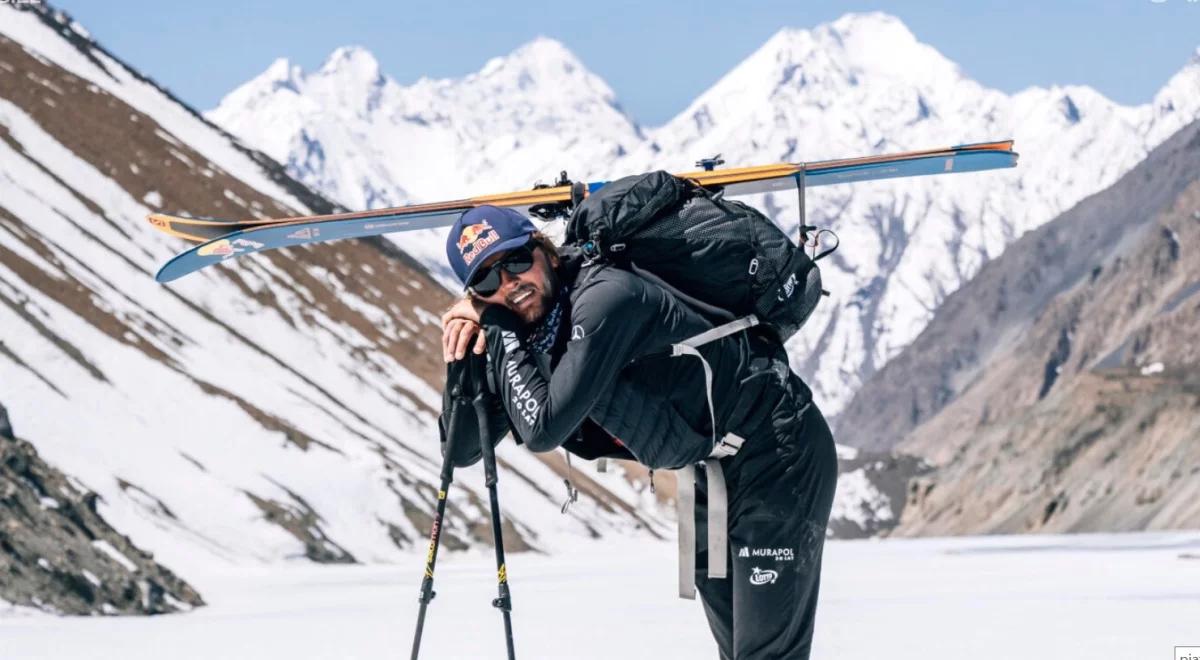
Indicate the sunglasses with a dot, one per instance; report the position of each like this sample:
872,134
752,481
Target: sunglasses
487,281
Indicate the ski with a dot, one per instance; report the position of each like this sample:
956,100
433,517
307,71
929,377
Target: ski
224,239
739,181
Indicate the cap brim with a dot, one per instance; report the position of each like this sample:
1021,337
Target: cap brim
502,246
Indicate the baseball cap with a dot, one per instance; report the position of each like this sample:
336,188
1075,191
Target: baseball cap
481,232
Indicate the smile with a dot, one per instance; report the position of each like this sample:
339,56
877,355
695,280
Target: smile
521,296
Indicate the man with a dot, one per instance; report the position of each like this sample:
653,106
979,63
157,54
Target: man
573,345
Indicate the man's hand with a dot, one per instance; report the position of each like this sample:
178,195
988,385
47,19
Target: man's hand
460,324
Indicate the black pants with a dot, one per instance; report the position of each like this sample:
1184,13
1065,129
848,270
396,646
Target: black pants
781,488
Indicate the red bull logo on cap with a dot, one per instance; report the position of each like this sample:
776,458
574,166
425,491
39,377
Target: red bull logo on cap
474,239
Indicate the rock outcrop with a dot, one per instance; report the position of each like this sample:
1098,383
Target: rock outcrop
57,554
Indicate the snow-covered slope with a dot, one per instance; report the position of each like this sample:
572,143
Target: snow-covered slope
860,85
281,407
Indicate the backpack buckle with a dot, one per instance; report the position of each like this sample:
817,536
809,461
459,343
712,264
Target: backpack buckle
729,445
590,251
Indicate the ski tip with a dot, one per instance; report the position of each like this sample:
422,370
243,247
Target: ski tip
167,225
159,221
997,145
182,264
167,274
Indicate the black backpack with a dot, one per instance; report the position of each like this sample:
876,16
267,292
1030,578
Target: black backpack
723,257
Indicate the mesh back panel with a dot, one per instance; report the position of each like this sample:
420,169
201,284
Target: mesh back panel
729,255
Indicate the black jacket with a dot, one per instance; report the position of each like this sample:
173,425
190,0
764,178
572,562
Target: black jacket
610,369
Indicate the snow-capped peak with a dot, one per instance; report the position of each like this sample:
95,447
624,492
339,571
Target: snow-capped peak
546,51
281,74
542,66
874,26
1177,103
541,50
856,49
280,69
806,86
873,21
353,63
355,134
880,43
281,77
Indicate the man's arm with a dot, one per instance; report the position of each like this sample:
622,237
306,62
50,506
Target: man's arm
608,325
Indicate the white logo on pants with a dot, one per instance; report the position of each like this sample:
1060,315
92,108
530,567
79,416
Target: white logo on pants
760,577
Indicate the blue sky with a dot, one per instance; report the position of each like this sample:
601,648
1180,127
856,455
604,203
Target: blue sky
1126,49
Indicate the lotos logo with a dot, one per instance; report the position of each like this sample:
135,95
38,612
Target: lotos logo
474,239
760,577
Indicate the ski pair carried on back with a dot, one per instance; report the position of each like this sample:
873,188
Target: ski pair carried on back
227,239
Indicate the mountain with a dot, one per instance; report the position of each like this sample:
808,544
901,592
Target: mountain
863,84
984,319
282,408
362,139
1058,390
275,409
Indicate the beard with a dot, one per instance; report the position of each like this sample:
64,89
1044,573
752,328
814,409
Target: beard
532,300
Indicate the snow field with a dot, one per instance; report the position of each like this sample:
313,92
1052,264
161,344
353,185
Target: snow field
1119,597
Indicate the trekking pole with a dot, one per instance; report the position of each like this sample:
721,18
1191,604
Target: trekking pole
504,601
427,592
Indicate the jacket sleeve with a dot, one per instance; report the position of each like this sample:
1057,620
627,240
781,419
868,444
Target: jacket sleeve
609,325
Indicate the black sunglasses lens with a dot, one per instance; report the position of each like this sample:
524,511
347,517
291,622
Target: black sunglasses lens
488,281
520,261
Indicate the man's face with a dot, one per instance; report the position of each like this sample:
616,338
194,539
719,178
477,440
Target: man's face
529,294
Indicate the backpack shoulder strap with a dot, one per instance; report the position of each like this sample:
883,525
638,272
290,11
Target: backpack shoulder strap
723,330
691,347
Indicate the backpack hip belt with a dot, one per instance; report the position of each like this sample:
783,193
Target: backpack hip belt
718,515
685,477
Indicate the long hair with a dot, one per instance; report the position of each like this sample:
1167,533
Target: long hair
543,241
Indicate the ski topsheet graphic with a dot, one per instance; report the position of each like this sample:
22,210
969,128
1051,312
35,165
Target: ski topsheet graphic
225,239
